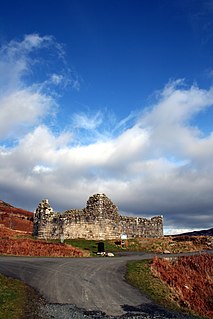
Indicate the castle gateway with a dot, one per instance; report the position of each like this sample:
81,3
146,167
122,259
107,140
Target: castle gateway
100,220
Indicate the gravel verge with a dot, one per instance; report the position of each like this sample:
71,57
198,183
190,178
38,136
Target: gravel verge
151,311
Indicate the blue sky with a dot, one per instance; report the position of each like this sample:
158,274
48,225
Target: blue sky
110,96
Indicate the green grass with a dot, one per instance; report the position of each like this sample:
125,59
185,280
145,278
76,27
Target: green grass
139,275
92,245
17,300
12,298
157,245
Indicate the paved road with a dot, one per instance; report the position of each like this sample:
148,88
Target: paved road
95,284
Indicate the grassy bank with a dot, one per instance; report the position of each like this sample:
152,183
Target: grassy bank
17,300
191,279
157,245
139,275
183,284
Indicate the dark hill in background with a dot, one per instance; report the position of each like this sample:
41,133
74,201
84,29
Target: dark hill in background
205,232
15,218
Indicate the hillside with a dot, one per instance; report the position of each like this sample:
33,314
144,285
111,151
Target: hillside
204,232
16,225
190,278
15,218
18,243
180,283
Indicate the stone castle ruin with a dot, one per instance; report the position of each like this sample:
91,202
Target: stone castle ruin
100,220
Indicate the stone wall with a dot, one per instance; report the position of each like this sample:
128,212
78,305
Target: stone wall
99,220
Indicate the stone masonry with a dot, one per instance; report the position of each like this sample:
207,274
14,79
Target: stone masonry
100,220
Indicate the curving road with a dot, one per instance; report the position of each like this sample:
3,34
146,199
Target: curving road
95,284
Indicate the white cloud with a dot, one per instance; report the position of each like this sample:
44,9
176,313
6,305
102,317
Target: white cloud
169,123
87,122
156,164
177,104
25,102
39,169
56,78
15,59
21,109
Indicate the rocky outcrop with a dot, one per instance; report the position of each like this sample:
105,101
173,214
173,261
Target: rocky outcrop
99,220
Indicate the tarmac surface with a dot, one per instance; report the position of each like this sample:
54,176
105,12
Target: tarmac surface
92,284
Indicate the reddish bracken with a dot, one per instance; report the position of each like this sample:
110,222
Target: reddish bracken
4,207
10,244
16,218
29,247
191,278
10,233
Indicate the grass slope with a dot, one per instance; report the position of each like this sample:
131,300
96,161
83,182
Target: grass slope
191,279
157,245
184,283
139,275
17,300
